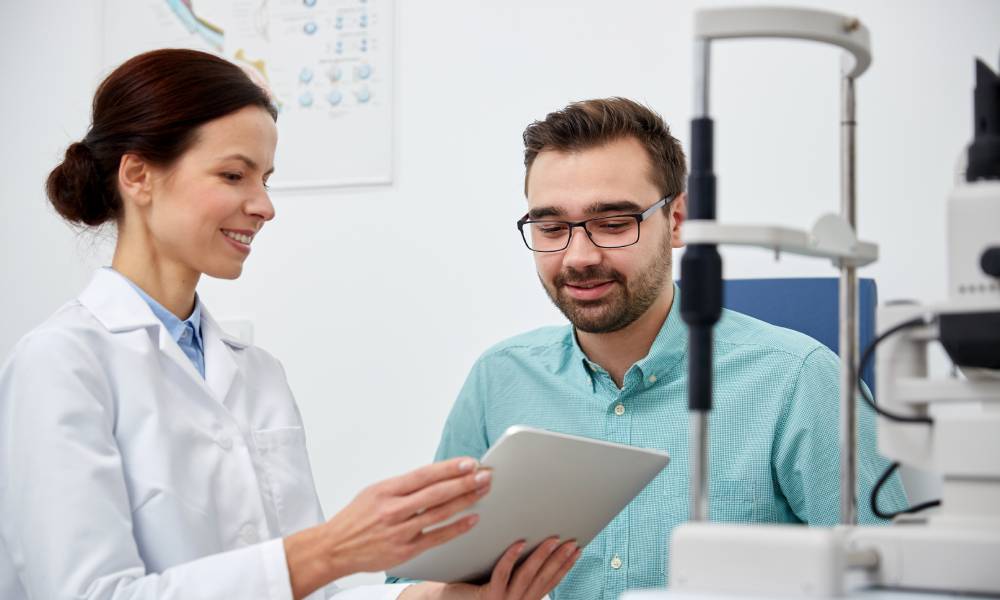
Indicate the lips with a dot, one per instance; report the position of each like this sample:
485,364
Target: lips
242,236
587,284
588,290
239,239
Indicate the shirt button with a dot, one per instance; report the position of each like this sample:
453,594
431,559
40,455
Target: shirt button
619,409
616,563
249,534
225,442
652,379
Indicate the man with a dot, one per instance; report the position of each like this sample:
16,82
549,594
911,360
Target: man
599,173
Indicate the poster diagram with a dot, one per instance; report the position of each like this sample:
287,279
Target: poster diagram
328,64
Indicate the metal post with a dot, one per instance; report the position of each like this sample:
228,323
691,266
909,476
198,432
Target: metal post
699,465
702,72
698,462
848,315
701,287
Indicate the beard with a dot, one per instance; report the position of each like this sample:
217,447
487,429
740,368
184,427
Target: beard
623,304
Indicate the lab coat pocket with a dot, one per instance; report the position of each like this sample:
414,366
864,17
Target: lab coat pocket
288,477
170,531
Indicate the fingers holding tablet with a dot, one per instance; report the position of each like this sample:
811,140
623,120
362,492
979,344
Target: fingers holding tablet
540,572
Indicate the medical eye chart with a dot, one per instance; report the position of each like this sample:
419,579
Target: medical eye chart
327,63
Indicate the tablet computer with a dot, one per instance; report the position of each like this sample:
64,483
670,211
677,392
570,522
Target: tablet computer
544,484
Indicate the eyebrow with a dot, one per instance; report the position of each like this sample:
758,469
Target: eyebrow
621,206
249,162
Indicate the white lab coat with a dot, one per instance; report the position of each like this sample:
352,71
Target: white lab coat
124,474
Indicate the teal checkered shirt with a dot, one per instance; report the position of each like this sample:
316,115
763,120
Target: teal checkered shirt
774,434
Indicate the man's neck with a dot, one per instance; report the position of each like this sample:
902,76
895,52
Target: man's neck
619,350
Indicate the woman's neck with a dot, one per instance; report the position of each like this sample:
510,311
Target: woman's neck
171,284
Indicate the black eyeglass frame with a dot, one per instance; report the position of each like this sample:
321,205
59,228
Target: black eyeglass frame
639,218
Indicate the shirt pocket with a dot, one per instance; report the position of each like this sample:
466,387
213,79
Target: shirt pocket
288,477
735,501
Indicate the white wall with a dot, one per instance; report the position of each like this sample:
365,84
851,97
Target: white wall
377,324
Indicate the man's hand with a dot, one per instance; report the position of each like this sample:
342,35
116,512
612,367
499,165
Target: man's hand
535,577
538,575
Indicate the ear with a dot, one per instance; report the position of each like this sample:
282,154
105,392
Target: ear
135,180
678,214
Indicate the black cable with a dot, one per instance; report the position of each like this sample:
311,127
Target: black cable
867,355
906,511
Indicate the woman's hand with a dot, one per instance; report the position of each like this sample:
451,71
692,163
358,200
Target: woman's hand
384,525
532,580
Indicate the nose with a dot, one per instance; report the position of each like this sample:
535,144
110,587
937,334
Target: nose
581,252
260,206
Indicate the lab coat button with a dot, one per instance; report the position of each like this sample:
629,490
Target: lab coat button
619,409
249,534
616,563
225,442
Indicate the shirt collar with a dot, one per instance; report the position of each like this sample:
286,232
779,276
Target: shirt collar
578,357
670,345
173,324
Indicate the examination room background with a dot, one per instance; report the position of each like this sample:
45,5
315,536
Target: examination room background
378,299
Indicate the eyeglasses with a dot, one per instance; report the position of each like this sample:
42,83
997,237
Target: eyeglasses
616,231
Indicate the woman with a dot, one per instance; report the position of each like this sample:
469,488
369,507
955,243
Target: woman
147,454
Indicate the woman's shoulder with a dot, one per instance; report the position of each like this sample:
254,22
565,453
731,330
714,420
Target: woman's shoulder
61,360
69,330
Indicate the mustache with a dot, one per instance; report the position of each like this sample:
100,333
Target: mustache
573,276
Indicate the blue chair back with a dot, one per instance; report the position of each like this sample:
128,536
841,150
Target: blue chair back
808,305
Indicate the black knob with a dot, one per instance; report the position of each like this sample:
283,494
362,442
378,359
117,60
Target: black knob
990,261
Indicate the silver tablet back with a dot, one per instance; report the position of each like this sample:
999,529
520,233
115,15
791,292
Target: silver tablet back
544,484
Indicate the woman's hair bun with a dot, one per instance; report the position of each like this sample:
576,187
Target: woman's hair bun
76,189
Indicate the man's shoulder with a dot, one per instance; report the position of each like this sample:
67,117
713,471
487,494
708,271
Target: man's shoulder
739,331
554,338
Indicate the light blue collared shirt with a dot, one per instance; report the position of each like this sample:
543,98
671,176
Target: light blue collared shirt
774,434
186,333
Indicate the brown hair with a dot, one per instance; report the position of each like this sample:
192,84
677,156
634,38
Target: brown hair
591,123
151,106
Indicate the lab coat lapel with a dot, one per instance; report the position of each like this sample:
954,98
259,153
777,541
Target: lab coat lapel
111,299
113,302
221,367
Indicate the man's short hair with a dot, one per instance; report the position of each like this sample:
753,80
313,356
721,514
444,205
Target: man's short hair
590,123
